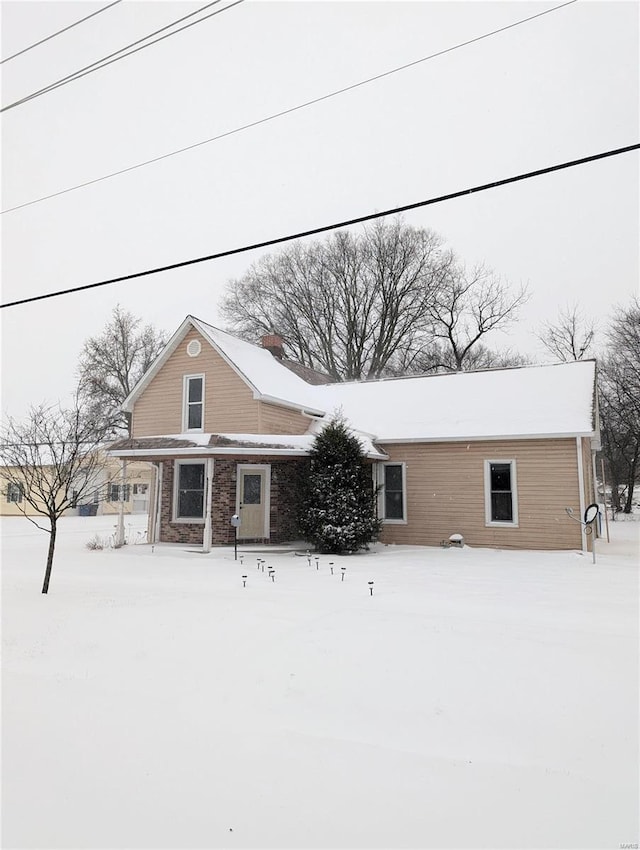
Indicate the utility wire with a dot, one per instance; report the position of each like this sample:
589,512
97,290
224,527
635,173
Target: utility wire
286,111
359,220
103,63
59,32
99,62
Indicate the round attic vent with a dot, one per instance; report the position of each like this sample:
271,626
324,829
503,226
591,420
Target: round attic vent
194,348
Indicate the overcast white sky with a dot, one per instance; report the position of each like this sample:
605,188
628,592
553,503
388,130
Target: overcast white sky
563,86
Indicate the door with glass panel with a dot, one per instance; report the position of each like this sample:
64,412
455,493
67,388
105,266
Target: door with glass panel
252,487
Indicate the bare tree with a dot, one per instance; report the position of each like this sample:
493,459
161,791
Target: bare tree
570,337
465,310
51,461
620,403
440,358
349,306
112,363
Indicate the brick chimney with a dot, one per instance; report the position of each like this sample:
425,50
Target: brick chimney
273,343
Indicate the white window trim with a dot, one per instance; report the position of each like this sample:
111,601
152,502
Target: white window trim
185,404
259,467
176,482
381,506
487,494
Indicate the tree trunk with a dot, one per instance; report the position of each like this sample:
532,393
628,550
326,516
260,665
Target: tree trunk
628,505
52,546
615,494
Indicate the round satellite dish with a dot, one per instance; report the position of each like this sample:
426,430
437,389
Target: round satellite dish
194,348
591,513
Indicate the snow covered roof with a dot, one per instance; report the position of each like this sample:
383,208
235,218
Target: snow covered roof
518,402
216,444
526,401
267,377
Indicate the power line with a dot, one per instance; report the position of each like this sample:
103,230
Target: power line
59,32
286,111
103,63
325,228
99,62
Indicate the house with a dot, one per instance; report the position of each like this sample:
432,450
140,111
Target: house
497,456
108,492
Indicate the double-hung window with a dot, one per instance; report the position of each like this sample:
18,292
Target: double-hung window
14,492
118,492
393,500
500,492
193,403
189,491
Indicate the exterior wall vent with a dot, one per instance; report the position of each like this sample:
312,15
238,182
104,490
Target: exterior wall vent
194,348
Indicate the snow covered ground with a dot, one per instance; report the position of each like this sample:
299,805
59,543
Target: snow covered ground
478,699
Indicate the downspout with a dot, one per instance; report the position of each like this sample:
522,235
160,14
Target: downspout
596,525
206,538
581,489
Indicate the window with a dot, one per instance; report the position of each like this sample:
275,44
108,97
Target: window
139,489
193,405
118,492
393,499
501,503
189,491
14,492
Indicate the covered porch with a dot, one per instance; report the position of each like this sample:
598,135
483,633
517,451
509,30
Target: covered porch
200,481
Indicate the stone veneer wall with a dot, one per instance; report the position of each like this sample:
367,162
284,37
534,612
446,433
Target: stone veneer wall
284,476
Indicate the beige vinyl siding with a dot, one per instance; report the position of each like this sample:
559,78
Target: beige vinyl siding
229,404
446,493
281,420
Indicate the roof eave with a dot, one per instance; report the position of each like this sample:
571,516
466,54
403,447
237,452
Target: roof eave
485,437
212,451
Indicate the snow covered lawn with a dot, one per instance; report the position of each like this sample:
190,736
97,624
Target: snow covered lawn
478,699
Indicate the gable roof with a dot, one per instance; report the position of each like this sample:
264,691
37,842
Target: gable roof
264,374
525,401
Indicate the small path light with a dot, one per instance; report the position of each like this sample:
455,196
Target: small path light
331,566
344,569
241,559
317,563
272,574
262,562
370,583
308,557
258,560
244,581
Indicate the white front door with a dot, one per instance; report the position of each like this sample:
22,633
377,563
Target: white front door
253,501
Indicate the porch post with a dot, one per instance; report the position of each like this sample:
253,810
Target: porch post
153,518
123,478
206,540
